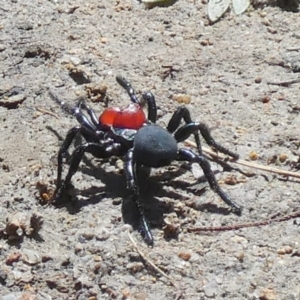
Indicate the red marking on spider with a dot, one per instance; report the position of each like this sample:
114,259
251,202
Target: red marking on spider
132,117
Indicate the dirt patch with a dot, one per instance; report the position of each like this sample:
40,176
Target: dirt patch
240,76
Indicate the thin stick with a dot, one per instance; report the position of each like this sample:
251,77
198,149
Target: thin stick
157,269
47,112
273,219
285,83
246,163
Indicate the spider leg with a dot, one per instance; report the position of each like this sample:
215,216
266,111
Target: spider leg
65,106
129,89
185,131
152,110
90,112
188,155
148,97
76,111
62,152
86,133
83,120
130,169
74,163
183,113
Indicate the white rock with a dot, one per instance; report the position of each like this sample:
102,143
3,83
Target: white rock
31,257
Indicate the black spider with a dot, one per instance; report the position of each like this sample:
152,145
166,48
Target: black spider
128,133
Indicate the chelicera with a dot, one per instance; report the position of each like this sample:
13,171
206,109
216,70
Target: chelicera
128,133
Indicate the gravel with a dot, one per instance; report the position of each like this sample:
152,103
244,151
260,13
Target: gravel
239,76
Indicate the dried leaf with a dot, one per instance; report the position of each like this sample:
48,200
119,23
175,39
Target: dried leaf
216,9
240,6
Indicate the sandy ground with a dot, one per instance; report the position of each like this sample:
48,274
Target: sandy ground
241,74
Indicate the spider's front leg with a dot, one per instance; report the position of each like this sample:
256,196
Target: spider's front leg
152,109
130,169
148,97
90,112
128,88
188,155
76,111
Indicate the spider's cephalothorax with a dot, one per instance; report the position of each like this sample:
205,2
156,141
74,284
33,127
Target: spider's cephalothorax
129,133
109,135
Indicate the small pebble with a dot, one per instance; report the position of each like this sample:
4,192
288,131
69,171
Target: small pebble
135,267
120,164
126,228
283,158
12,101
211,289
126,293
78,248
13,257
87,235
267,294
285,250
206,42
182,98
75,60
265,99
2,47
196,171
102,234
24,277
117,201
31,257
97,258
184,255
253,155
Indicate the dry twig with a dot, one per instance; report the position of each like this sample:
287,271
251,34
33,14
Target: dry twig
47,112
246,163
285,83
156,268
273,219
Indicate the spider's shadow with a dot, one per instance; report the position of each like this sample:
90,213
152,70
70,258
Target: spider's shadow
150,189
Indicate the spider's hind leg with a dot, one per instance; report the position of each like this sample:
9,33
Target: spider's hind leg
132,185
188,155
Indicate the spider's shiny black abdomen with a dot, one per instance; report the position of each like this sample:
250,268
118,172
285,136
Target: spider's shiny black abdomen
154,146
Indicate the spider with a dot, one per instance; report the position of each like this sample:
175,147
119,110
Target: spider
127,132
